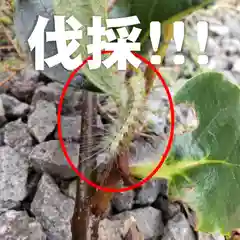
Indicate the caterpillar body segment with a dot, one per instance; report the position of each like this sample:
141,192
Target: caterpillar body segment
129,118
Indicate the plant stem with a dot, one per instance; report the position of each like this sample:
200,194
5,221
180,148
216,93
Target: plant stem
112,5
149,73
81,220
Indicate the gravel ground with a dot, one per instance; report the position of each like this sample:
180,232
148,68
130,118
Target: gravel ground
37,186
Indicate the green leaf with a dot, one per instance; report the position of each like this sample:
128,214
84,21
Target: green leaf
164,11
83,10
204,165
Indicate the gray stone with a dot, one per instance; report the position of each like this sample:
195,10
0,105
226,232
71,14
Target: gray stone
24,85
211,19
233,24
190,215
158,100
230,3
33,180
24,151
218,30
143,151
71,128
123,200
218,63
189,68
169,60
50,93
150,190
155,123
2,114
109,230
232,59
1,137
173,209
170,53
74,101
212,48
70,190
13,107
8,204
207,236
53,209
231,46
49,157
148,219
171,48
16,134
236,66
169,209
178,228
117,229
15,225
186,118
13,177
134,233
158,106
42,120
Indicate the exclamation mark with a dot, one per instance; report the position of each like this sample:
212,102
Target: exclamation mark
155,33
202,33
178,34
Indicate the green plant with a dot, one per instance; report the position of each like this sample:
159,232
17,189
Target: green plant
203,165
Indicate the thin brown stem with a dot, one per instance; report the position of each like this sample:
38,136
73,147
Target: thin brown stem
81,220
17,49
111,6
9,78
8,47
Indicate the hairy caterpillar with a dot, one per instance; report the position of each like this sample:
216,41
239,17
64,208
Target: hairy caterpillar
136,113
124,127
130,116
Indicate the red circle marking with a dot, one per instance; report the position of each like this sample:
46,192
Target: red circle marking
170,139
